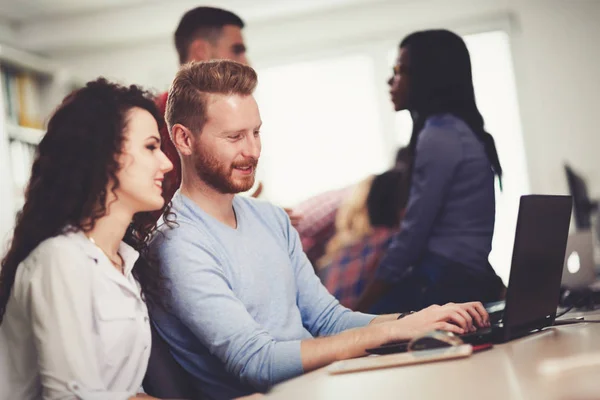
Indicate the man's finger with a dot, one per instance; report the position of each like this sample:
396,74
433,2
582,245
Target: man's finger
466,316
295,221
482,311
445,326
456,317
473,312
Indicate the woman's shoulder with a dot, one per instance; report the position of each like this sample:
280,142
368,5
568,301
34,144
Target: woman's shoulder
65,246
441,132
445,122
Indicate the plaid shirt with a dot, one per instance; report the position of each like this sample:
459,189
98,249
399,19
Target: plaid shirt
353,267
318,220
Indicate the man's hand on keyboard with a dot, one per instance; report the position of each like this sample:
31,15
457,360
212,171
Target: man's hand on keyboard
457,318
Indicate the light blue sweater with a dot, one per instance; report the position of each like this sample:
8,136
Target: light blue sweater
242,299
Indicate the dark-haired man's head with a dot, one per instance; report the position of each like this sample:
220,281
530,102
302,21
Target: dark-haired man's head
207,33
387,198
403,158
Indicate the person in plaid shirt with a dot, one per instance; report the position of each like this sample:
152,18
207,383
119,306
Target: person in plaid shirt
318,214
317,225
365,225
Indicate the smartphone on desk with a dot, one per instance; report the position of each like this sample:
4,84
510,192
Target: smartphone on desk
396,360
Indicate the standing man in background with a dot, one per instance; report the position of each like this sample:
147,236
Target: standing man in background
203,34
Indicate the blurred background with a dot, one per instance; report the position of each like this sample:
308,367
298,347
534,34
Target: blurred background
323,67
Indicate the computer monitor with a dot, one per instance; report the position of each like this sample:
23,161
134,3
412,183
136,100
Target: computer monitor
583,206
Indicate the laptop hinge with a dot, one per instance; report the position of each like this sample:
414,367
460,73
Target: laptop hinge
515,331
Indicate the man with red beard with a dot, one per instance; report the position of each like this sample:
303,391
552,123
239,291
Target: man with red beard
203,34
245,303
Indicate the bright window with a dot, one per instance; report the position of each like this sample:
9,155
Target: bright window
321,127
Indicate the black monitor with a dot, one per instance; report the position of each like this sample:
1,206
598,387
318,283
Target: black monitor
583,206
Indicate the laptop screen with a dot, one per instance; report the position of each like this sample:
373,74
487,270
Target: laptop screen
579,269
538,257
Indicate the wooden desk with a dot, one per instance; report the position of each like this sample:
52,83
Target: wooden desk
508,371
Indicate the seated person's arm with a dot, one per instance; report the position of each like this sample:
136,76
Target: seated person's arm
457,318
437,157
204,301
59,299
322,315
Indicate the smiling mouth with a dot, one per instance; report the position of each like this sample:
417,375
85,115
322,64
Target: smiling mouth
246,170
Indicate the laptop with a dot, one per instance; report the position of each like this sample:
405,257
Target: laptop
535,276
579,270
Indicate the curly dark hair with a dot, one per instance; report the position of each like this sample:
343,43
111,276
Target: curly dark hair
74,163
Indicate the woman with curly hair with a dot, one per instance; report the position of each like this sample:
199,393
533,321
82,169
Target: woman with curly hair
76,280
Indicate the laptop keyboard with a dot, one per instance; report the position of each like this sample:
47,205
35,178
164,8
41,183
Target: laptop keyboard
496,317
483,335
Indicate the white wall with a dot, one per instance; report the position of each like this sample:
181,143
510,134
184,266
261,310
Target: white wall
554,43
7,206
152,65
558,62
7,32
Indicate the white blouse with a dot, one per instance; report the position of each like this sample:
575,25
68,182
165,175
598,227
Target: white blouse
74,327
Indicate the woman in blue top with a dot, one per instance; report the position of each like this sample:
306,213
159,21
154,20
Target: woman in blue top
441,253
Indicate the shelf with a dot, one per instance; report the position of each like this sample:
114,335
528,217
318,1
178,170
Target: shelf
30,62
45,83
23,134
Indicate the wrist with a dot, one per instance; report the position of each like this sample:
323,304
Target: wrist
387,331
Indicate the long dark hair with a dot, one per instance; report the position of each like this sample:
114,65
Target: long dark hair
74,163
440,81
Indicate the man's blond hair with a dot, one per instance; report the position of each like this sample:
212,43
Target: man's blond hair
195,82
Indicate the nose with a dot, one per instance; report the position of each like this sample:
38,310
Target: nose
165,164
390,81
252,147
244,59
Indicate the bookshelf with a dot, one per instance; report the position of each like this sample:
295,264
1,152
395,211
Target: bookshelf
31,87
